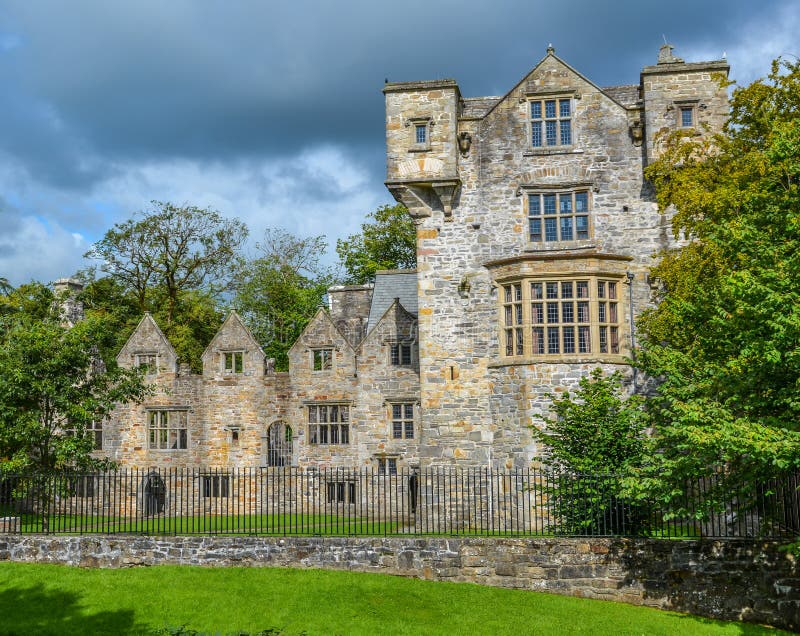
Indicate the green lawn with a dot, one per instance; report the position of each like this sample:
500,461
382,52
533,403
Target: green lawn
50,599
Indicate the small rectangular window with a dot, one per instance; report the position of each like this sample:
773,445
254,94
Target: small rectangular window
234,361
323,359
340,492
403,420
687,117
400,354
216,485
387,466
421,133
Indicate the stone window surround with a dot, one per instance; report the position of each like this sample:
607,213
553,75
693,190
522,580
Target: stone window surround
215,485
340,491
387,464
412,123
526,190
402,402
147,359
395,350
169,410
318,359
536,96
342,425
236,357
686,104
595,328
586,264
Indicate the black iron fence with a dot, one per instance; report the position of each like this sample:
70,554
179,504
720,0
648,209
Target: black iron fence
437,501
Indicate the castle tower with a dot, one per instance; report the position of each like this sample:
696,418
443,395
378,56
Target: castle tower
680,95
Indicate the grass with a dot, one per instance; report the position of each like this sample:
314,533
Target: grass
50,599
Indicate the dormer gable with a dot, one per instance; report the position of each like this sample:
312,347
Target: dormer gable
148,348
321,347
552,77
233,351
394,338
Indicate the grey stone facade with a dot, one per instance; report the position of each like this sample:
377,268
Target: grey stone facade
334,408
473,189
536,230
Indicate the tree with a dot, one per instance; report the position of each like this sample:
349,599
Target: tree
724,339
173,262
279,291
595,440
54,386
173,250
388,240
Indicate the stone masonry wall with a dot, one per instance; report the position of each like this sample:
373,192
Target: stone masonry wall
735,580
477,404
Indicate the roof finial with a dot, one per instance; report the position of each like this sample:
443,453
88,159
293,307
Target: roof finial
550,49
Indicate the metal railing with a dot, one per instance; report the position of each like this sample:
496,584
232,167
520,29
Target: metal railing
285,501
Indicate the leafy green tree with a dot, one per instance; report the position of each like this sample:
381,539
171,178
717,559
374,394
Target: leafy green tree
724,339
196,316
388,240
279,291
54,386
595,440
173,250
173,262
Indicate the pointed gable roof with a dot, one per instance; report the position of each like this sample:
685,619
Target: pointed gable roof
321,314
400,284
232,323
147,336
551,55
396,307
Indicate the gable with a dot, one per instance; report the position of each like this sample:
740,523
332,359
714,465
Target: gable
549,77
320,332
145,340
233,336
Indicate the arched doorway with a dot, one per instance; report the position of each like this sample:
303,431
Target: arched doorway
279,445
154,495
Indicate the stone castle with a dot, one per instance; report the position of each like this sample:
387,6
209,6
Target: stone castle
536,230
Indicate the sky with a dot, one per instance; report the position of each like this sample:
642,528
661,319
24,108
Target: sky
272,112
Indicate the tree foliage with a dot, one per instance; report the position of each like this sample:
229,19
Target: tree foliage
173,262
279,291
595,440
173,250
388,240
725,337
597,430
54,385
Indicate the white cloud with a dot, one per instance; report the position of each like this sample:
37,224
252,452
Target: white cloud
751,49
318,191
39,250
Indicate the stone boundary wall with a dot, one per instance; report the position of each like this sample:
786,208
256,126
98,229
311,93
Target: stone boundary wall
734,579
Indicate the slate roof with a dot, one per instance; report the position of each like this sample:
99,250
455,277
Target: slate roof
478,106
627,94
391,284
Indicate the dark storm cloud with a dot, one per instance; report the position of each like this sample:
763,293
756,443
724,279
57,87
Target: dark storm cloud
217,80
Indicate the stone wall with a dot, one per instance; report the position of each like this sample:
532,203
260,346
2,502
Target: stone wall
743,579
